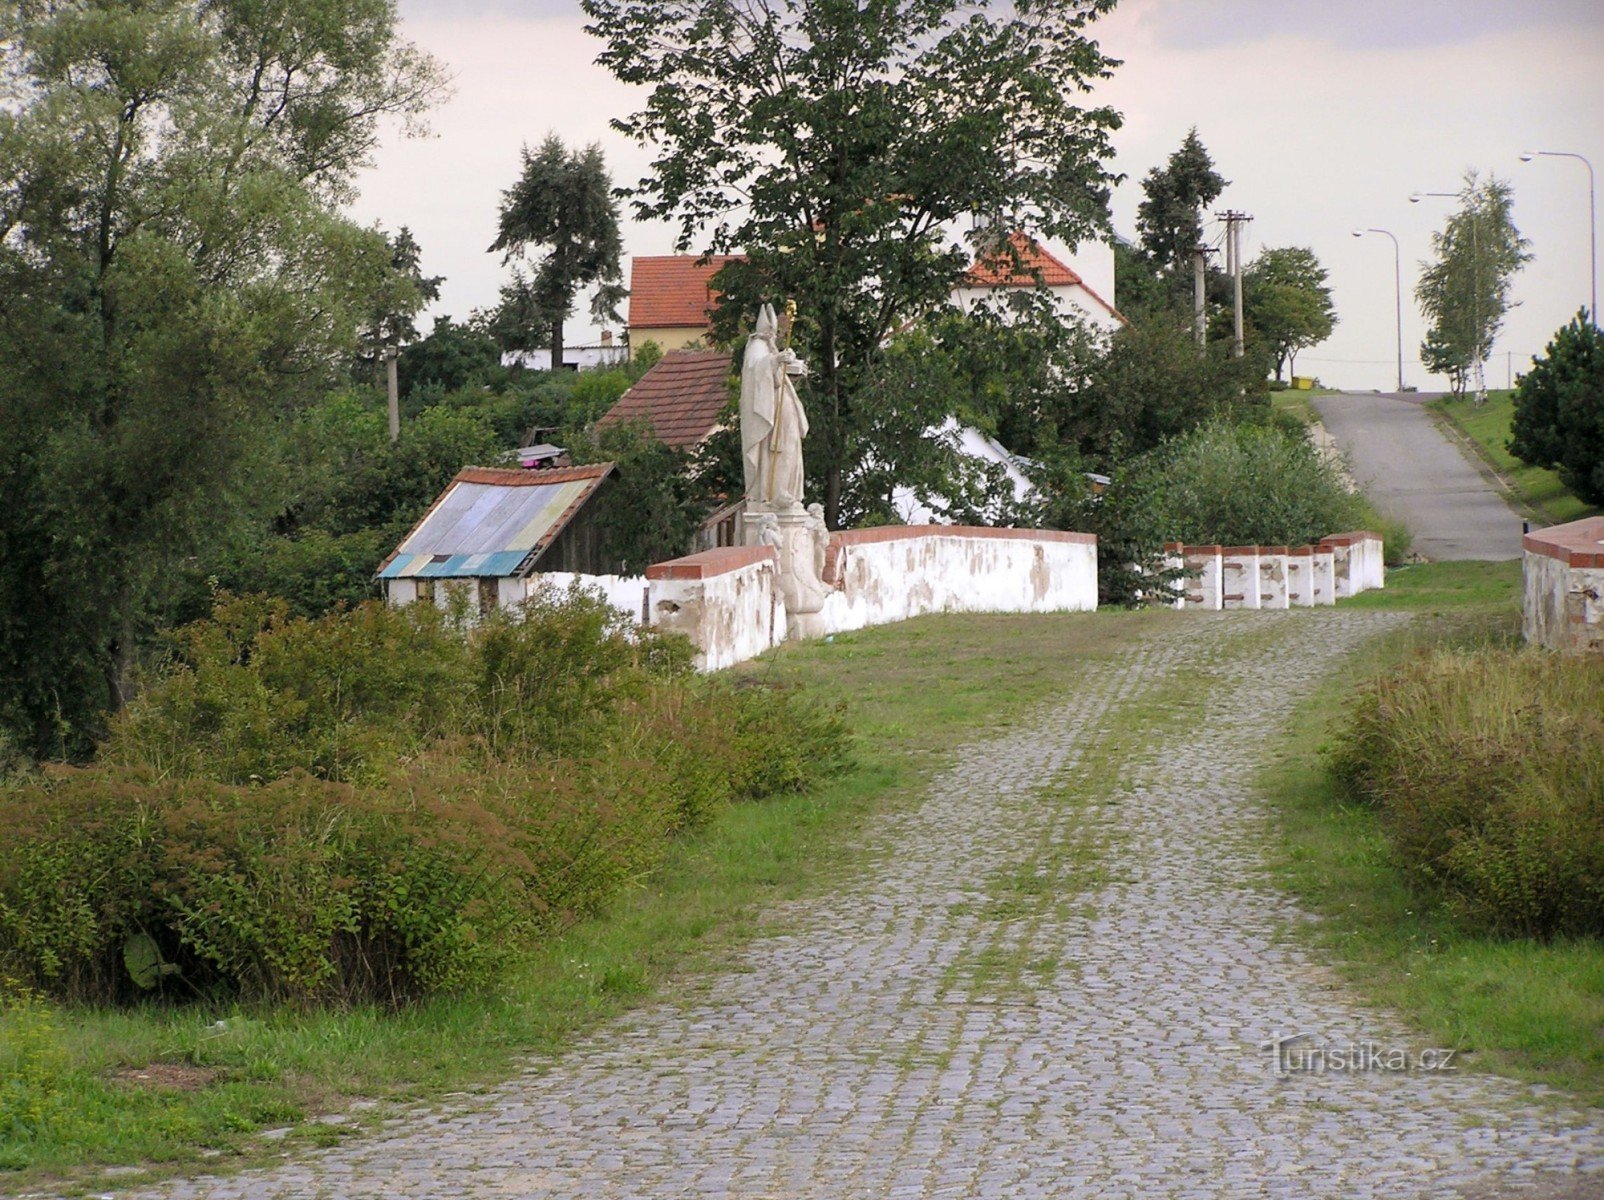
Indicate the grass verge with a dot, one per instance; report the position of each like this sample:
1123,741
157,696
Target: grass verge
1521,1007
1487,428
166,1089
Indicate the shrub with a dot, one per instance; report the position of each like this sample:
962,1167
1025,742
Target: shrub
1231,483
1559,409
377,805
1488,770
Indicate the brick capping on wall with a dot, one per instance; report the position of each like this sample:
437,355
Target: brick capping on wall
709,563
1576,543
1349,539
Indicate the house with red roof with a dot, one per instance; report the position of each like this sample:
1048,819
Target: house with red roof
1086,293
671,300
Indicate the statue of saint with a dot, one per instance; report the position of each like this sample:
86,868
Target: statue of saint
773,423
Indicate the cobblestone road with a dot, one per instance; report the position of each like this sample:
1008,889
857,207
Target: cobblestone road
1057,982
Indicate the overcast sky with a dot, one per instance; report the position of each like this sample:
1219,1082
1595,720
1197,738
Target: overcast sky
1325,117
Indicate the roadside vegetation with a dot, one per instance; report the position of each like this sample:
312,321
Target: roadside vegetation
1488,428
371,813
1451,831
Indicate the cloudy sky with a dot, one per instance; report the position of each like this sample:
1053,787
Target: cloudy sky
1324,116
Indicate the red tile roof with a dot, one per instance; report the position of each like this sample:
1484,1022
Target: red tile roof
670,291
681,398
999,270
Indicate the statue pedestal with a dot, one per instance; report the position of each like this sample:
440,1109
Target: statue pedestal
800,538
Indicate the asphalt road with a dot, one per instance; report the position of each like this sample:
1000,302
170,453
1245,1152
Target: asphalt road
1413,472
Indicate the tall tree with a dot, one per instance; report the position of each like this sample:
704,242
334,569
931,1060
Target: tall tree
175,275
1287,302
1169,220
391,322
1465,292
836,143
564,203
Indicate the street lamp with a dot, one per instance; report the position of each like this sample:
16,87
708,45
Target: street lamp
1397,280
1592,220
1475,292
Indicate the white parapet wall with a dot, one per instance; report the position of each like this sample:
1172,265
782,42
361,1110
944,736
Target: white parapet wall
1239,577
727,601
1357,561
1564,587
1300,577
629,594
1323,565
894,572
1201,589
1273,577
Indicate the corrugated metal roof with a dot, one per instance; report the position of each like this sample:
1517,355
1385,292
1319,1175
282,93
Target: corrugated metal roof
495,523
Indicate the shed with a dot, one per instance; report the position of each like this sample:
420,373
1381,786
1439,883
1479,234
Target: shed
491,529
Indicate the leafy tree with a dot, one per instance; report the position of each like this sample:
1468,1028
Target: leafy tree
452,356
1169,220
1151,384
652,510
1286,301
834,144
175,275
1465,292
563,202
1559,409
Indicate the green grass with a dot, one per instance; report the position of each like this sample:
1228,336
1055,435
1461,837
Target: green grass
915,691
1487,428
1529,1009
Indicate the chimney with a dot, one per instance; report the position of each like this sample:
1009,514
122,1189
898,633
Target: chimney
607,337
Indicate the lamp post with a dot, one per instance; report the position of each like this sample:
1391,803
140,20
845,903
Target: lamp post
1592,222
1475,292
1397,282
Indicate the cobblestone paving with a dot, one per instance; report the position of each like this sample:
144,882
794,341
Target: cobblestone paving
1057,982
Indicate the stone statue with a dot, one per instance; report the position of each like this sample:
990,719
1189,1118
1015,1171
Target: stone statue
773,423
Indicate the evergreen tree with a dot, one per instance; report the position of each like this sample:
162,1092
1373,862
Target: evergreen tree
562,202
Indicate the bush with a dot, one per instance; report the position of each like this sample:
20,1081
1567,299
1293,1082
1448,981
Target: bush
1488,770
377,804
1228,483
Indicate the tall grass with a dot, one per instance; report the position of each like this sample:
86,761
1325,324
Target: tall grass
1487,767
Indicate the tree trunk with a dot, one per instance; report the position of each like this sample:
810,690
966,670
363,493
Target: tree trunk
556,345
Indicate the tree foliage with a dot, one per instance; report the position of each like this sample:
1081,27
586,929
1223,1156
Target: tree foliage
1559,409
835,144
1286,301
174,276
1169,220
562,202
1465,292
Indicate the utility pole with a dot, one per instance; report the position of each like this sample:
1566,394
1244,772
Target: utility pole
1233,257
1199,269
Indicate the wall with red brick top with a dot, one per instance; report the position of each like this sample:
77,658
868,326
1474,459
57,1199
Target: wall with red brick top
1563,570
712,562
